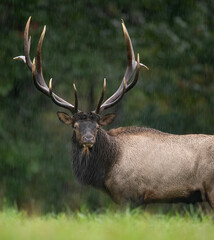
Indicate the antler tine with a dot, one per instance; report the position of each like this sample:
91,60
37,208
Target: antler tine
119,98
129,47
52,95
132,66
101,97
27,41
76,99
38,52
130,53
56,100
132,84
38,78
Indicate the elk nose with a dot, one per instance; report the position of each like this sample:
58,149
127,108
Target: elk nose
88,139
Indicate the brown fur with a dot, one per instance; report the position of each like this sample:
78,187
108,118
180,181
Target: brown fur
160,167
133,130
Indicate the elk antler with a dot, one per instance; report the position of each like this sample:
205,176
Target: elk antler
36,68
125,86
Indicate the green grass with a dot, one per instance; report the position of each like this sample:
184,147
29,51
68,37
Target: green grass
109,225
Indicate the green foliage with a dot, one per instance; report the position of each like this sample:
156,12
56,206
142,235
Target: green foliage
83,44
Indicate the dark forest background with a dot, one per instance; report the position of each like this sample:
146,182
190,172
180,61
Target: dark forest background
83,44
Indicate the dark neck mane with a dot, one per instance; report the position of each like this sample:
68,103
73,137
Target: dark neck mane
92,168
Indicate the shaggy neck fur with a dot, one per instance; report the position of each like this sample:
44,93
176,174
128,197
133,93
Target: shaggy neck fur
92,168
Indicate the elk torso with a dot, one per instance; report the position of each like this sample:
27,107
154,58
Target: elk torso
146,165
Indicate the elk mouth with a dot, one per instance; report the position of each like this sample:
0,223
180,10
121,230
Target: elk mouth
87,145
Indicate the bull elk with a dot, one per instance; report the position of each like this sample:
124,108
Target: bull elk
136,164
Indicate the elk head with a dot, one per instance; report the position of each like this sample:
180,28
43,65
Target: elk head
85,125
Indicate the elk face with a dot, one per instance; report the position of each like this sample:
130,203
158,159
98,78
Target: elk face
86,132
85,126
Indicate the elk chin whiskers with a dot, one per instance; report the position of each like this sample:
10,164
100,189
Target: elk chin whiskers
85,150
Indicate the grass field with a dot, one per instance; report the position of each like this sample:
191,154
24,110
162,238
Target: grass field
109,225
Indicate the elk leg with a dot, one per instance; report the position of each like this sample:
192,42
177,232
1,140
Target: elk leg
210,196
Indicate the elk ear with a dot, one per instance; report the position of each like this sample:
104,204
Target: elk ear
107,119
65,118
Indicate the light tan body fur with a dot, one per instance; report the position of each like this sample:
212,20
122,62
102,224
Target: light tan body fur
155,166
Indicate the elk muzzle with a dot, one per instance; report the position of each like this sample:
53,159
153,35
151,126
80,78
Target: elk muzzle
88,140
